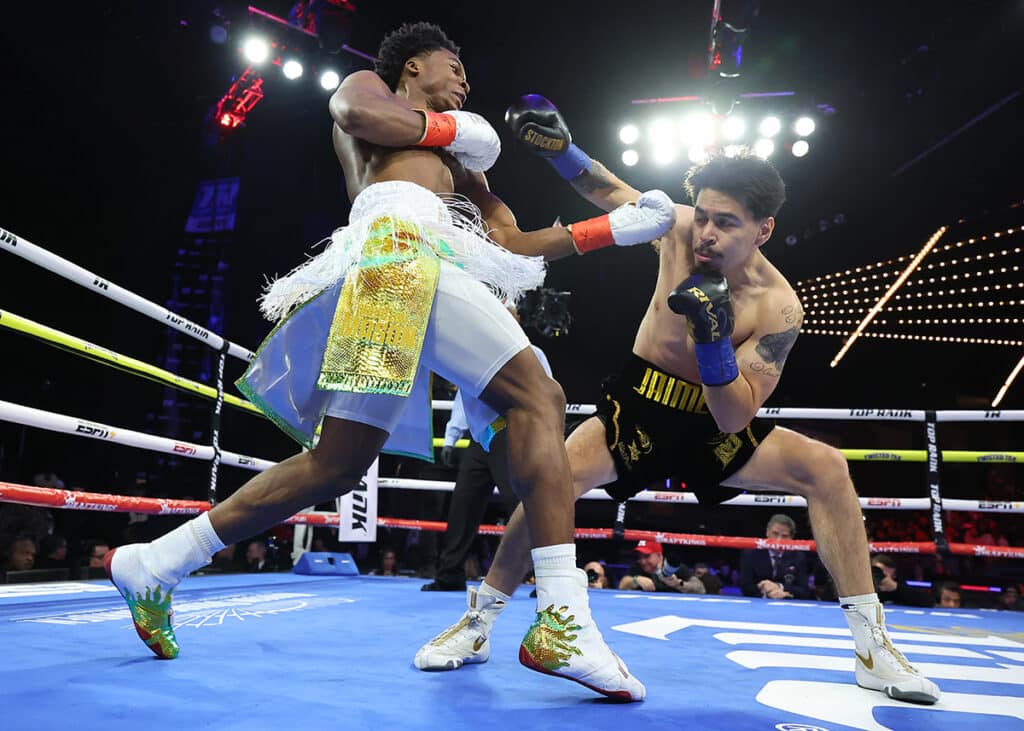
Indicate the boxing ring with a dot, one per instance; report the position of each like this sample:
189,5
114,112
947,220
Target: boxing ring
260,650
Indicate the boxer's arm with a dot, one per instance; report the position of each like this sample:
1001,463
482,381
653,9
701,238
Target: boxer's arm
760,359
551,243
364,107
602,188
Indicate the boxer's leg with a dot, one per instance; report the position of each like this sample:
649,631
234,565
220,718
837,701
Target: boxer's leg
147,574
788,461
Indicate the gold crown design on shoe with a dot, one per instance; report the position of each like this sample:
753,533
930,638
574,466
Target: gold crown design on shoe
548,642
151,614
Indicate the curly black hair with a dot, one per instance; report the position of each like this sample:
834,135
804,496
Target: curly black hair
401,44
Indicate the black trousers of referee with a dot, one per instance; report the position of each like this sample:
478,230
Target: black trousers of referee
479,472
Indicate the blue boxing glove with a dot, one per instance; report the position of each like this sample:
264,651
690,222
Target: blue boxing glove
538,124
704,299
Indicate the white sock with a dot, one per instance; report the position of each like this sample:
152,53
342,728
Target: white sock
177,554
852,602
488,590
557,558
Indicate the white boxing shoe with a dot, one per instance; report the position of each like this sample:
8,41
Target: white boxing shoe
468,640
148,598
879,665
564,641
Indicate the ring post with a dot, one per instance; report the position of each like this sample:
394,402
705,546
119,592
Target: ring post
934,490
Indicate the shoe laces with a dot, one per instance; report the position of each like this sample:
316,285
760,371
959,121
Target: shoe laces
881,638
471,620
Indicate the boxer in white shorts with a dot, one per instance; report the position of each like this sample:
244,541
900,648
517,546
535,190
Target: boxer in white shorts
407,287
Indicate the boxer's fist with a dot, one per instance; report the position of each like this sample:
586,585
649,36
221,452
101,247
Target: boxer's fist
648,219
538,124
476,145
703,298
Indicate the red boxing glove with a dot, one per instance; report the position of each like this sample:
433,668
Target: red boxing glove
439,131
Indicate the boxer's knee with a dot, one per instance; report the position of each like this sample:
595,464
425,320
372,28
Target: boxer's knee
822,470
543,402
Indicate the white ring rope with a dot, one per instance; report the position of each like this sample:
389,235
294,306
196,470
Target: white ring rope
84,278
37,418
844,414
28,416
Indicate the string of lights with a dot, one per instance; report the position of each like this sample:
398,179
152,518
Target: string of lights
889,293
918,337
869,292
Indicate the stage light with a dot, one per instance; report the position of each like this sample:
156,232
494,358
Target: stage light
660,132
769,126
764,148
800,148
697,154
698,130
664,153
732,150
804,126
630,158
329,80
256,50
292,69
629,134
733,128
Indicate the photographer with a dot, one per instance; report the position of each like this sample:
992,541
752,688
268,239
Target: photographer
652,573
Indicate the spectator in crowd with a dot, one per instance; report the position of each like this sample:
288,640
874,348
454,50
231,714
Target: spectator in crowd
387,563
256,557
775,574
225,561
95,550
824,589
652,573
1009,599
20,554
53,553
947,595
890,589
712,584
596,576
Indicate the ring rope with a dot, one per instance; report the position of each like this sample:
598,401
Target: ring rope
27,416
124,363
844,414
83,277
70,499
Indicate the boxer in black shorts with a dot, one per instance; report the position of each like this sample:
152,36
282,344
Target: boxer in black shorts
721,316
644,410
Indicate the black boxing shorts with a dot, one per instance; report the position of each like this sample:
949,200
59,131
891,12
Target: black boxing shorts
658,427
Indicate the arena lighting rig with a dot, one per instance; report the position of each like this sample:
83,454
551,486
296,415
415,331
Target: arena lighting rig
292,45
978,284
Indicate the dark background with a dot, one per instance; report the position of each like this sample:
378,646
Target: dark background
105,105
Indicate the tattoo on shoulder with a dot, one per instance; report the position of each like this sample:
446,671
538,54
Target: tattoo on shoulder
773,350
793,315
594,179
